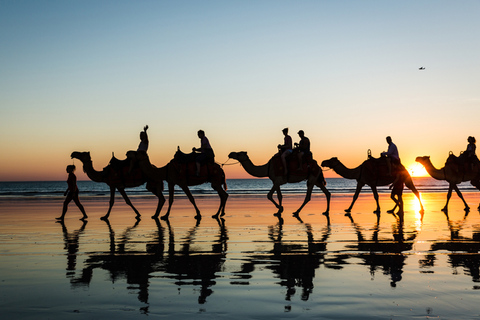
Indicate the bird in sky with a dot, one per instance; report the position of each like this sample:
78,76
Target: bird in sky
421,68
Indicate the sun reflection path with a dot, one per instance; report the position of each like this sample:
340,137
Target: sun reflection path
416,208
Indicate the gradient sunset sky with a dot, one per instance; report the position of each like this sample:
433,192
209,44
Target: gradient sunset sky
88,75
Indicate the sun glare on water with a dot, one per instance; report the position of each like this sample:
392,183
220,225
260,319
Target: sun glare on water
417,170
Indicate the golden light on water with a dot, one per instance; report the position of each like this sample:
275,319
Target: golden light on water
417,170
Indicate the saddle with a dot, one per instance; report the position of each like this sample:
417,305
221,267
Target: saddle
379,166
462,164
122,171
185,164
308,164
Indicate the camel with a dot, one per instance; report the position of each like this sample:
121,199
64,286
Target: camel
371,172
183,175
313,175
116,175
453,174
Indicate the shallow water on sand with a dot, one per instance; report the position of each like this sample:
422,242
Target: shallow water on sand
249,265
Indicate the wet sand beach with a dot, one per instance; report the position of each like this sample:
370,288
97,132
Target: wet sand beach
251,264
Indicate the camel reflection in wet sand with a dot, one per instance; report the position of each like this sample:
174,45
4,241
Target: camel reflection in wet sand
193,262
463,252
187,266
294,263
386,254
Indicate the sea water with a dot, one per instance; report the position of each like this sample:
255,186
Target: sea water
50,189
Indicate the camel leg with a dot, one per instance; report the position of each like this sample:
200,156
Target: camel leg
308,196
467,208
223,201
321,185
411,186
355,196
192,200
279,196
127,201
449,195
375,195
171,192
161,202
112,201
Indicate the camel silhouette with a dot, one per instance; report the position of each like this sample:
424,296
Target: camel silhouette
453,174
372,172
182,172
117,175
313,175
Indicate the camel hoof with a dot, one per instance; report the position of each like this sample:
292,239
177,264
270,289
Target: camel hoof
348,210
215,216
104,218
155,217
326,213
467,209
444,210
376,212
198,217
390,211
164,218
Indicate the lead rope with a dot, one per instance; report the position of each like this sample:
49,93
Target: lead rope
229,164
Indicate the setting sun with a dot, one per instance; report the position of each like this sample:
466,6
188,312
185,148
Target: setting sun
417,170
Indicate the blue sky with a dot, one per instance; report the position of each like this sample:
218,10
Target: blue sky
88,75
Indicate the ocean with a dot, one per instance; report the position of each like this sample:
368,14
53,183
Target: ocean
52,189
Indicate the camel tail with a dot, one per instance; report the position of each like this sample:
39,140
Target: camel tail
225,183
321,179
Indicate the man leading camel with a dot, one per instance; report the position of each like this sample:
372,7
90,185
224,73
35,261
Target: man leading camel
391,154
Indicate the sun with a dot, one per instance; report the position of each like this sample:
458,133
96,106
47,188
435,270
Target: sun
417,170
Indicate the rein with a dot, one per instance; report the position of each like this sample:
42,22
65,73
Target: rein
228,164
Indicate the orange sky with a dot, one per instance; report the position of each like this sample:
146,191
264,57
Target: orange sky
79,76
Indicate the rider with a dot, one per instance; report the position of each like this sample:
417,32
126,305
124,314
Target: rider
286,148
303,148
206,151
142,146
391,154
469,155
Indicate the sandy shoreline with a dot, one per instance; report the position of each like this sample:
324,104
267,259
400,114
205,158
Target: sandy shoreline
362,266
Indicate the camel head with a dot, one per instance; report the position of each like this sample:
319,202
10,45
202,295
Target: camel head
423,160
330,163
82,156
240,156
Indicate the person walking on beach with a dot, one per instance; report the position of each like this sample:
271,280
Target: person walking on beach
391,154
285,148
72,194
303,148
206,151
